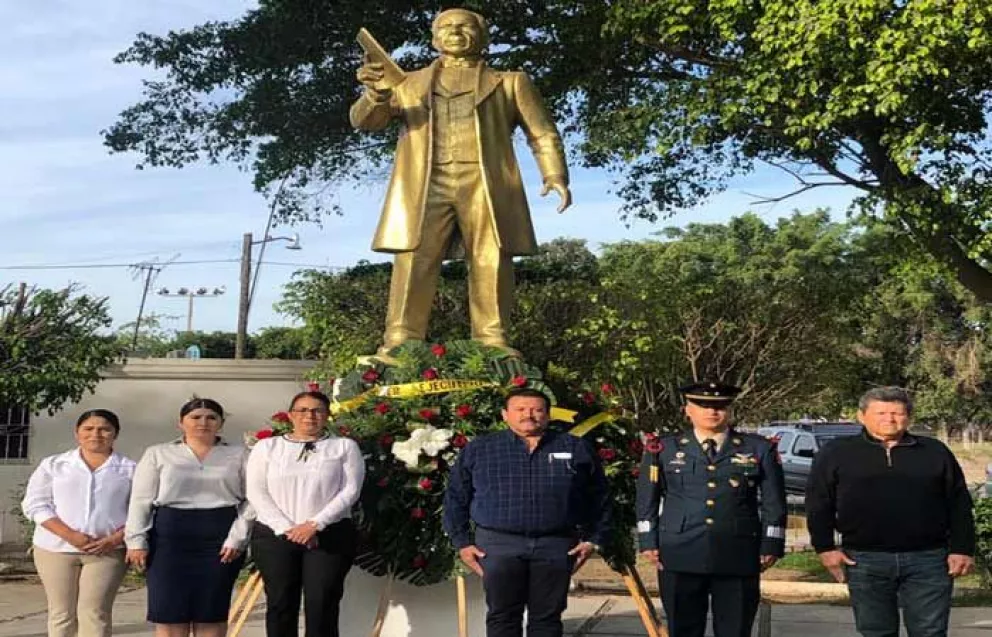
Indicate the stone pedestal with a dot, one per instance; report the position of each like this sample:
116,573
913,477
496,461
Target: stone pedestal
414,611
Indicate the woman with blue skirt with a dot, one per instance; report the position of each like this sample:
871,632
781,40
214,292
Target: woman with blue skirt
188,524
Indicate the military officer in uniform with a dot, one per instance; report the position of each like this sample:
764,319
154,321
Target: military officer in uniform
700,517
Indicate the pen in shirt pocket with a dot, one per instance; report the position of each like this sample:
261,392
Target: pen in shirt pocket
561,455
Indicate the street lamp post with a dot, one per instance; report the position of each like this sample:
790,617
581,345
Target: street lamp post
191,294
244,300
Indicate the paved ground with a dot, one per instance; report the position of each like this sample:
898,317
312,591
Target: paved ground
22,614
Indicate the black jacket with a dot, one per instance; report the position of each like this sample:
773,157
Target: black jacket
912,497
706,517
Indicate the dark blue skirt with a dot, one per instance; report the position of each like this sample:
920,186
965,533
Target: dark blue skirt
186,581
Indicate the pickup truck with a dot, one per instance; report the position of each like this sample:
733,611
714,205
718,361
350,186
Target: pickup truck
799,442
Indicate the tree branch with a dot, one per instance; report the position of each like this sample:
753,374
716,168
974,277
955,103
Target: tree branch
686,54
758,200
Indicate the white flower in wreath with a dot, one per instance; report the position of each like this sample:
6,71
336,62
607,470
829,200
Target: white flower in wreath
407,452
430,439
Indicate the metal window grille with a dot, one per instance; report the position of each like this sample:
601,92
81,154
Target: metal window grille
15,430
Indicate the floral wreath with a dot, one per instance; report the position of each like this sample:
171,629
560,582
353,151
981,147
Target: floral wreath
412,418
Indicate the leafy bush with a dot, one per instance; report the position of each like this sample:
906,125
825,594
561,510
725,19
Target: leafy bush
983,533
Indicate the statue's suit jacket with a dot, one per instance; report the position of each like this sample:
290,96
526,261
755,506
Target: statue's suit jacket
503,101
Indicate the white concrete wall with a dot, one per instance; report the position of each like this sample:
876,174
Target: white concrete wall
147,395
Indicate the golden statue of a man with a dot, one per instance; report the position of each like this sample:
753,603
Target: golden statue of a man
456,184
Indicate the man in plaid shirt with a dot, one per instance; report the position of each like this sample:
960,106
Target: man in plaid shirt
538,501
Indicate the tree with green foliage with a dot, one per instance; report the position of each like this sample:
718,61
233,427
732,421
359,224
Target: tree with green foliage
345,311
216,344
756,305
924,331
152,338
52,346
889,98
287,343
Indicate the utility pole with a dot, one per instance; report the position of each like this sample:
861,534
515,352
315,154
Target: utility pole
248,286
243,298
151,270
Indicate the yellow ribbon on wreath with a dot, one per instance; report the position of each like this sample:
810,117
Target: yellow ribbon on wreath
446,385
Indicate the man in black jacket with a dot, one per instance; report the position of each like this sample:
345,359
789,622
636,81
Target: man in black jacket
902,508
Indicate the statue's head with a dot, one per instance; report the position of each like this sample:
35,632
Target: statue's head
460,33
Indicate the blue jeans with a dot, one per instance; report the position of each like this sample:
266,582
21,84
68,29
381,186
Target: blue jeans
916,581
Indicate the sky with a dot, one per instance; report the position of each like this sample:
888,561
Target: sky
68,203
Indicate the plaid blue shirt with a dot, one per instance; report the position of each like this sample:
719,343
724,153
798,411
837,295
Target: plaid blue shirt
498,484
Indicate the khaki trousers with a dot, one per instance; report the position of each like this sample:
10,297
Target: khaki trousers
80,590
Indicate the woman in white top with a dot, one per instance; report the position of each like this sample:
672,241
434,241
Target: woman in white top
302,487
188,524
78,502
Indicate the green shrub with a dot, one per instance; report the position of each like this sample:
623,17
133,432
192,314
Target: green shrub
983,533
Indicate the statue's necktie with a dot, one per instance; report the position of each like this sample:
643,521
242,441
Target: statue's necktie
709,446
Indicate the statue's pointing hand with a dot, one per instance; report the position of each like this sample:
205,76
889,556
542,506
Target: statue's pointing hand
557,183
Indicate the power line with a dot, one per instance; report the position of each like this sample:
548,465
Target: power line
96,266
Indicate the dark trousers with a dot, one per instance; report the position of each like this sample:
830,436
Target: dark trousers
520,573
289,569
686,598
881,583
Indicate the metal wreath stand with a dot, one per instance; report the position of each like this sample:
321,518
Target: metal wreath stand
251,590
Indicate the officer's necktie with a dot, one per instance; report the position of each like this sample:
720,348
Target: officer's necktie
709,445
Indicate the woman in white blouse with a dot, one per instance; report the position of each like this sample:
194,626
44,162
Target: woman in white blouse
78,502
302,487
188,524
